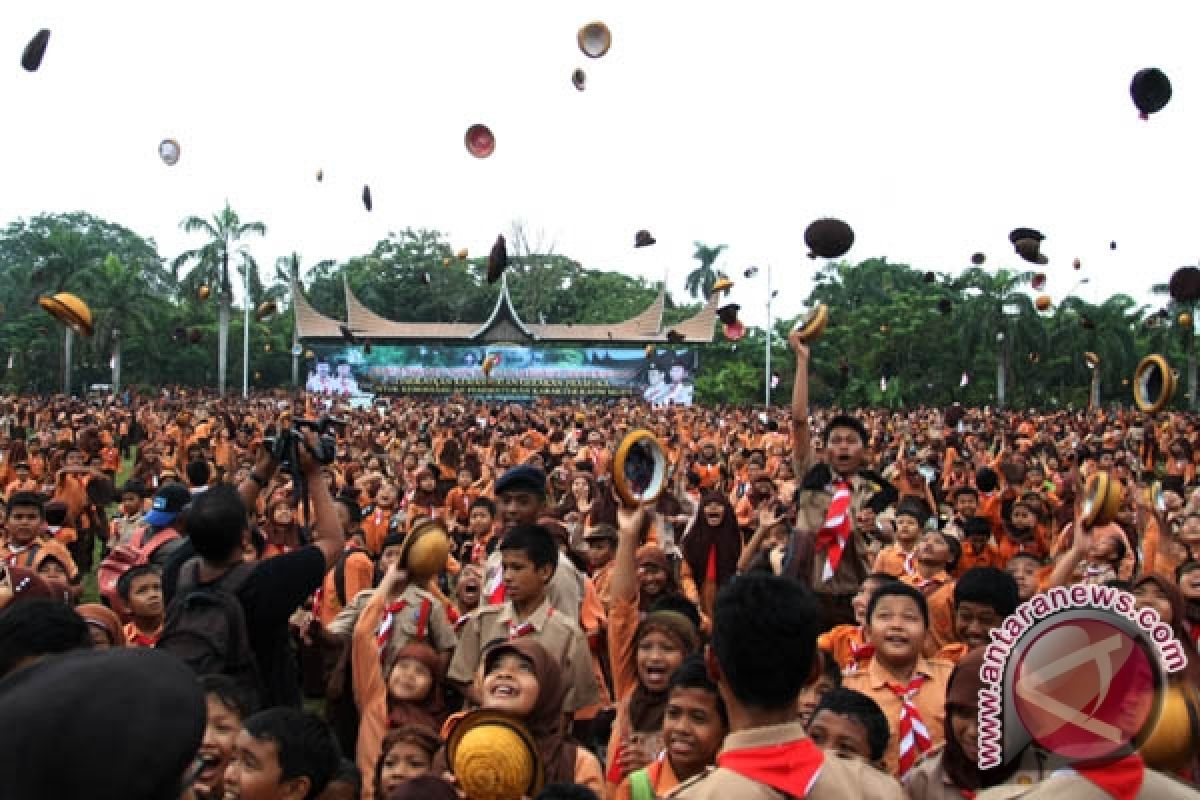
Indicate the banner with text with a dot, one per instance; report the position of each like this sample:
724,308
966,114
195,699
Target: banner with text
664,377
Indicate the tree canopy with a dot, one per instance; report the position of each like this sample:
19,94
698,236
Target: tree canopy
897,335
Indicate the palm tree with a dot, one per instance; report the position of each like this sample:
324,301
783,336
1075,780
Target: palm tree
700,281
124,308
211,269
982,318
59,259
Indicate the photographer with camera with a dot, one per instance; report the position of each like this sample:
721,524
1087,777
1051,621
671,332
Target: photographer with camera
266,592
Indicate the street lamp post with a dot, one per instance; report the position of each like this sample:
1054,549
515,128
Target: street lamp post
116,362
1010,310
767,377
68,341
246,330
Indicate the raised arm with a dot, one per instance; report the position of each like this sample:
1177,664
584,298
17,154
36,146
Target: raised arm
258,479
327,529
1063,572
624,582
801,435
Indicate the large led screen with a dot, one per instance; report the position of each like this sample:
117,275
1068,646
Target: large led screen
505,371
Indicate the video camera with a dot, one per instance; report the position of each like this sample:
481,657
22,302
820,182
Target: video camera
283,446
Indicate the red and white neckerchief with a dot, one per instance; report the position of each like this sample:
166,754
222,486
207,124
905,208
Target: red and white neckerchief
913,735
860,654
384,634
494,591
910,566
835,532
525,628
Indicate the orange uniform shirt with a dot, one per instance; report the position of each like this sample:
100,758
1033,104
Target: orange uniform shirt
930,700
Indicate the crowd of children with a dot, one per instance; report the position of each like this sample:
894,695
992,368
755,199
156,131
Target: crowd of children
802,613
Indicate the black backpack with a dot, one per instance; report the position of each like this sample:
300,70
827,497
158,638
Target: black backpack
205,626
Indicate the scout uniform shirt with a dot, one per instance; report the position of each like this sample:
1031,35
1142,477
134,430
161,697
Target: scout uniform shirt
1067,784
848,645
383,627
835,778
930,700
928,779
558,634
811,508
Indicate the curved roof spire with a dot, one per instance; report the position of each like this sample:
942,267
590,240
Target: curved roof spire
310,323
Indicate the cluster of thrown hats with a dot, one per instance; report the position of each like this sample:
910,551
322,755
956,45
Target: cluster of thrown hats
594,40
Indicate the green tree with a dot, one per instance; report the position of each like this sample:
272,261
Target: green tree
700,281
51,253
125,310
211,268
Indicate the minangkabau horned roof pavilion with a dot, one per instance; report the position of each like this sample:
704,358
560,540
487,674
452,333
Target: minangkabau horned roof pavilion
504,325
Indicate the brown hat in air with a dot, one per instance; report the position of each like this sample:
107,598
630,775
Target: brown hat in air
497,259
1184,285
828,238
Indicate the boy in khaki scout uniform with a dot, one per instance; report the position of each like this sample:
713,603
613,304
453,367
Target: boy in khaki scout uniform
828,553
530,556
763,651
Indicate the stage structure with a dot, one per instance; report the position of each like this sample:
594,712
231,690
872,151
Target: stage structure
502,357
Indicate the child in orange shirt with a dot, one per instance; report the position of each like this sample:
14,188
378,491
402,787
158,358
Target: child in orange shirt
910,689
458,501
1021,532
977,550
897,558
934,559
141,590
380,519
980,601
695,724
848,643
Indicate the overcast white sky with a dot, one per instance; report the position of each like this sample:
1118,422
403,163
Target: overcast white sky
932,127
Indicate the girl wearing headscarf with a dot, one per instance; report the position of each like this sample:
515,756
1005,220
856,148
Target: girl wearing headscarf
414,687
643,649
520,678
711,548
423,502
954,772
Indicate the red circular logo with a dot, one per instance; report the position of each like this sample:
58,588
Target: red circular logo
1085,688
